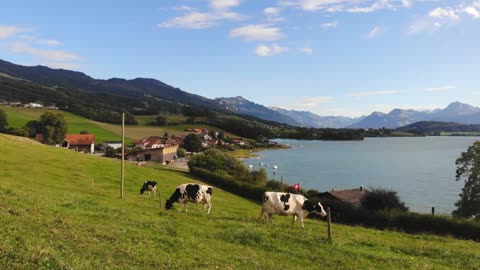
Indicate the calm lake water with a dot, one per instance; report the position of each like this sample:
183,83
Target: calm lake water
421,170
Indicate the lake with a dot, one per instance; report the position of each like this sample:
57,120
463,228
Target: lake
420,169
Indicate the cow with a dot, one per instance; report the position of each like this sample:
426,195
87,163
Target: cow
149,186
191,193
289,204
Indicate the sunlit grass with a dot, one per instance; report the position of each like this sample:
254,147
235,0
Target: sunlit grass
52,218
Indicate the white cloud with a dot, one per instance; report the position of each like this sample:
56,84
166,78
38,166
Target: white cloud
200,20
306,50
475,92
472,11
224,4
374,32
440,89
329,25
266,50
355,6
380,4
310,102
7,31
444,13
372,93
71,66
271,11
424,25
183,8
407,3
49,42
254,32
50,55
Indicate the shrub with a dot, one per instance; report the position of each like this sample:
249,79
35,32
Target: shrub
382,199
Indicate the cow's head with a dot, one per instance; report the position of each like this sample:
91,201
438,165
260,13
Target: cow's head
168,205
314,208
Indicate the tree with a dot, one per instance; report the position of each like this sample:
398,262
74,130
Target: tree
34,127
84,132
192,143
53,127
3,120
110,152
468,169
161,121
221,135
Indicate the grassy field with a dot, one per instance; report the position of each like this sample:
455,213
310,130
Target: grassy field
52,218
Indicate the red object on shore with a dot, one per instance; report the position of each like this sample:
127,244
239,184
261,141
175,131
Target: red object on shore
296,186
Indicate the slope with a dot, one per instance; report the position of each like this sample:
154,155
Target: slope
52,218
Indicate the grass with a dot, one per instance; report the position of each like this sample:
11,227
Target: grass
51,218
459,133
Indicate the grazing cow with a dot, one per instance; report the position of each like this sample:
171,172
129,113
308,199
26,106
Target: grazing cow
289,204
149,186
191,193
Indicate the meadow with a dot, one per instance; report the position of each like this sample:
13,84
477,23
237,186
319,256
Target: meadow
53,217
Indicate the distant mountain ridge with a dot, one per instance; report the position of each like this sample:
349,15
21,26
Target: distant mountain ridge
454,112
309,119
241,105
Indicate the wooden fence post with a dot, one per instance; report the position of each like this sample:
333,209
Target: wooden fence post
433,211
92,182
329,221
160,201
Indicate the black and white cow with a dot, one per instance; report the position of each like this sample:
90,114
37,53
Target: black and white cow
289,204
191,193
149,186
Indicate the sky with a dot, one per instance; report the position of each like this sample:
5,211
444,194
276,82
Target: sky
330,57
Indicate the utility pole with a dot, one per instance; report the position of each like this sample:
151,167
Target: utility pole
123,156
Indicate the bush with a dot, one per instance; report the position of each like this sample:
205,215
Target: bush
378,199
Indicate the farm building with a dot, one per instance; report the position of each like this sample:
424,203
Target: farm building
164,155
80,142
113,144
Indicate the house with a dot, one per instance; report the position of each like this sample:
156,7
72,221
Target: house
33,105
112,144
164,154
151,143
238,141
351,196
80,142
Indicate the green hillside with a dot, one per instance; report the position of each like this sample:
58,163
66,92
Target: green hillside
51,218
19,116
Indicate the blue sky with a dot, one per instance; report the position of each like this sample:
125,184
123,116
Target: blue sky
331,57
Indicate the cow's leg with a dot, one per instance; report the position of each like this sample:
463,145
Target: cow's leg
185,205
294,219
179,207
301,220
209,208
270,217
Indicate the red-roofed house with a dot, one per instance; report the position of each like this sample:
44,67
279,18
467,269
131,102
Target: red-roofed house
80,142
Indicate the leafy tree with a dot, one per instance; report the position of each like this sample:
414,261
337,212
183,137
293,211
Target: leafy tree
3,120
161,121
53,127
468,169
221,135
181,152
192,143
212,133
34,127
110,152
382,199
84,132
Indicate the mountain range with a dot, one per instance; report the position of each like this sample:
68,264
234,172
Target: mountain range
454,112
86,96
